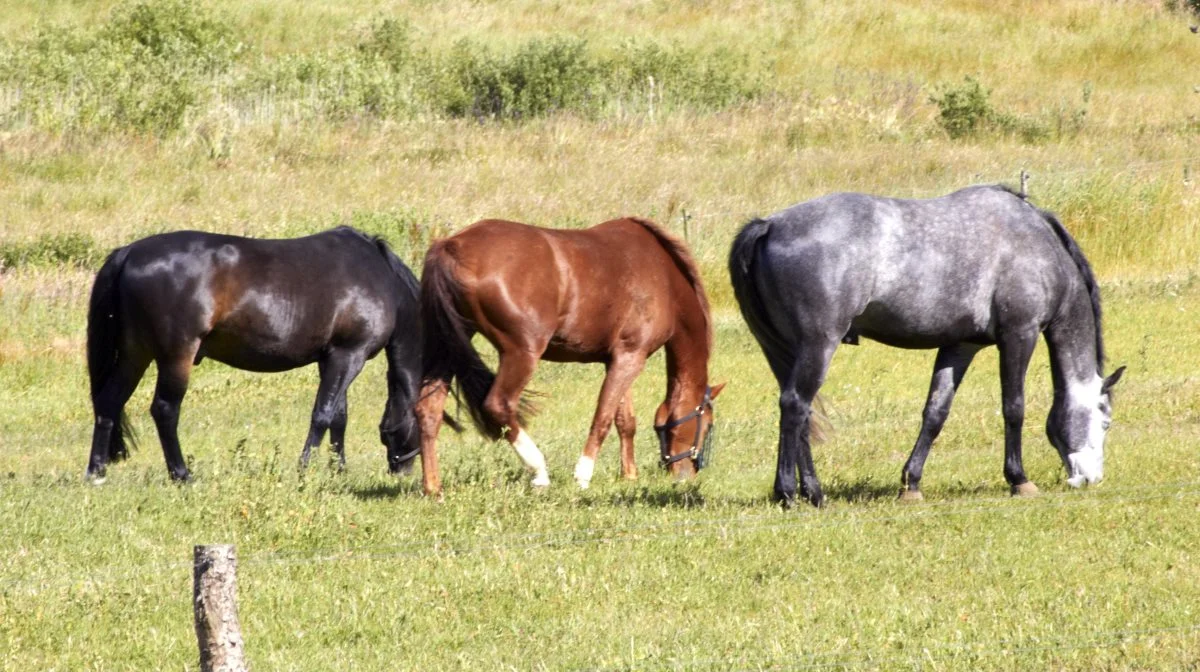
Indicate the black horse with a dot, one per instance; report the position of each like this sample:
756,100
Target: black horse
979,267
335,298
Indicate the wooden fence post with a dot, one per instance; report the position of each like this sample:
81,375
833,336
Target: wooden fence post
214,599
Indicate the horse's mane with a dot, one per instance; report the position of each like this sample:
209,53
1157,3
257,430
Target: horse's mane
1081,262
402,271
683,260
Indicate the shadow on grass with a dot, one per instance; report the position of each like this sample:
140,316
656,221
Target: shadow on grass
400,486
867,489
668,496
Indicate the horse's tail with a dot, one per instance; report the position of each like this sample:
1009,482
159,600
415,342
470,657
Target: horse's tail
103,334
448,349
775,345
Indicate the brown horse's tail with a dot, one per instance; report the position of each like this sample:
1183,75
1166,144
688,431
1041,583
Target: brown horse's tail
103,335
448,349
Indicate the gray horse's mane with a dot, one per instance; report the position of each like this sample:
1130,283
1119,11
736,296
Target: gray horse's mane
1081,262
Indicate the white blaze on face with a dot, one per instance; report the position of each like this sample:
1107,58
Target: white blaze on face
533,458
1086,463
584,470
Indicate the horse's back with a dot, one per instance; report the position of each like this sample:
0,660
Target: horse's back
259,304
581,291
918,273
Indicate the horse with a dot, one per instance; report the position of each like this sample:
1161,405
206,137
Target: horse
978,267
610,294
336,298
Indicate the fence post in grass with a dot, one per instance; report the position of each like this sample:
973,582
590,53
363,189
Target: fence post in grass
214,599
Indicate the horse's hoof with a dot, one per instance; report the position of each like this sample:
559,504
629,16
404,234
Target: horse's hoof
1026,489
783,499
540,482
907,495
95,480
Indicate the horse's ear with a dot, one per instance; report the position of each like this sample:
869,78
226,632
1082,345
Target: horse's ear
1111,380
715,390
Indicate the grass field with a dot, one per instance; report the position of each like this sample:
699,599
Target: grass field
359,571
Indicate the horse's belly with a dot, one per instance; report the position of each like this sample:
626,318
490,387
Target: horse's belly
264,357
918,329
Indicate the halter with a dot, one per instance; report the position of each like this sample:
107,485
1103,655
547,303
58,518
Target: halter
699,453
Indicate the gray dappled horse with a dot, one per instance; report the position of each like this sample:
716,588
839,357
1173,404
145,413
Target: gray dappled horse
978,267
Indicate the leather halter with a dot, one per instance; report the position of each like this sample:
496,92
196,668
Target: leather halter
698,453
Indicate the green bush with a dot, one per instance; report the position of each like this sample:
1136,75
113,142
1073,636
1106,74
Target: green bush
966,111
963,110
156,64
69,249
539,78
676,77
144,70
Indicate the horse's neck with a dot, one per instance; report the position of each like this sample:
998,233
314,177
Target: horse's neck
404,367
687,365
1071,339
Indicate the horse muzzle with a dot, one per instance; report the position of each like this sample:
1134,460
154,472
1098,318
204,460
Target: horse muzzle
1085,467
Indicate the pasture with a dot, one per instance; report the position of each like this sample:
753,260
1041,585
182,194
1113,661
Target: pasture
357,570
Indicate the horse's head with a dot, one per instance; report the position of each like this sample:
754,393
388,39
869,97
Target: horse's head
1077,425
685,438
398,432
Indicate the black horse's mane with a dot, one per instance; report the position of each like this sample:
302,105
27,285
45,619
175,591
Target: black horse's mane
403,272
1081,262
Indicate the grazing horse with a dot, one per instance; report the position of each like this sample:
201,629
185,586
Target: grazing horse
611,294
335,298
981,266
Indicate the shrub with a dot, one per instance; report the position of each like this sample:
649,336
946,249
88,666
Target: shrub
143,70
963,110
678,77
541,77
69,249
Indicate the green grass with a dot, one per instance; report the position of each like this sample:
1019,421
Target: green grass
359,571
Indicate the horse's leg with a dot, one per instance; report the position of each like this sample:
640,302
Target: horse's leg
108,406
1015,351
626,426
173,375
338,369
429,408
948,370
622,370
337,430
795,416
502,403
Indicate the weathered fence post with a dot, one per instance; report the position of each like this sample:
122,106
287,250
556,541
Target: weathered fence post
214,599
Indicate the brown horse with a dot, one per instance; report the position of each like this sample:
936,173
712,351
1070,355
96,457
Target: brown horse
612,294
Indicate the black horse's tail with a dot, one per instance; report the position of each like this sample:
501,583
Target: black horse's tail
775,346
103,334
448,349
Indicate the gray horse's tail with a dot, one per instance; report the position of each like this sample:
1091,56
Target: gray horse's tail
103,336
778,350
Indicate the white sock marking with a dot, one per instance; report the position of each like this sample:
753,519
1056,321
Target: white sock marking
533,458
584,469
